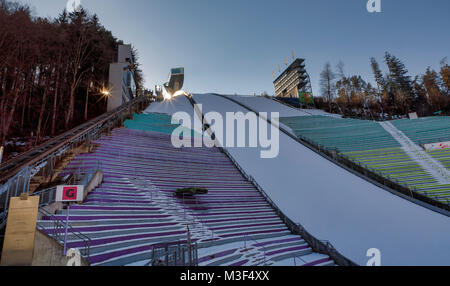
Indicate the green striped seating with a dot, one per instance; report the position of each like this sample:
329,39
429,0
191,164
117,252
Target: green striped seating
345,135
442,156
156,122
369,145
425,130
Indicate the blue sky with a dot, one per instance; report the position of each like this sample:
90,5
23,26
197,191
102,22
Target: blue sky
233,46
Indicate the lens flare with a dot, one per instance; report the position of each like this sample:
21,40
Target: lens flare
178,93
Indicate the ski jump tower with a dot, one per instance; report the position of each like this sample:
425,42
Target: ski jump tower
122,87
174,84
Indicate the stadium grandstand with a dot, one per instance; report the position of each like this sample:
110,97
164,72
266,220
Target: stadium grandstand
135,211
367,143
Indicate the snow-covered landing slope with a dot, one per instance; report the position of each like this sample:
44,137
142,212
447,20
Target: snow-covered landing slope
335,205
177,104
263,104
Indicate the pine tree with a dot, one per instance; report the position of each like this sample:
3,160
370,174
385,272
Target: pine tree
399,84
398,73
379,78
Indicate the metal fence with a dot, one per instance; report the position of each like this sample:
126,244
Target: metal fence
178,254
20,184
16,186
43,159
323,247
59,230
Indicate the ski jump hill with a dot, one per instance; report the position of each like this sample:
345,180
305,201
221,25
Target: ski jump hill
332,203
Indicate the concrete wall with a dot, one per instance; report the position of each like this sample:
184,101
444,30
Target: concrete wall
96,180
116,97
47,252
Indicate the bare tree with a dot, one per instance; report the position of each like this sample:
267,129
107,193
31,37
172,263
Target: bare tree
327,86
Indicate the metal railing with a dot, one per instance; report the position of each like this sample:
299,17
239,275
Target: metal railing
16,186
20,184
265,261
323,247
17,173
81,177
45,154
59,230
178,254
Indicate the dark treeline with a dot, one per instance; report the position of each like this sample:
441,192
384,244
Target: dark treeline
394,94
51,72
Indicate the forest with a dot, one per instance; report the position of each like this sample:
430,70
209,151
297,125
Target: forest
395,94
52,73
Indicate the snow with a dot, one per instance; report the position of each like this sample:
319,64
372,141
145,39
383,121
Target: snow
177,104
336,205
263,104
416,153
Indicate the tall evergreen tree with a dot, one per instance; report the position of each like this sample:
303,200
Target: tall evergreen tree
398,73
379,78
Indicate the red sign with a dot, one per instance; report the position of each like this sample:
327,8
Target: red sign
69,193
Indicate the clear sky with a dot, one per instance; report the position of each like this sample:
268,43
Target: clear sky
233,46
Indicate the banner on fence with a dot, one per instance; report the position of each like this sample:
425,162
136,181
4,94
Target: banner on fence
69,193
437,146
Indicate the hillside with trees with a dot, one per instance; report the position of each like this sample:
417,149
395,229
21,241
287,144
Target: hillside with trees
395,93
52,72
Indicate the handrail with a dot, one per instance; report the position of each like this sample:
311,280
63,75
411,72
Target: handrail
59,227
16,173
55,145
176,252
316,245
47,196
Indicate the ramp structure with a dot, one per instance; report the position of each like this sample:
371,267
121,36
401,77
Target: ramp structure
335,204
173,85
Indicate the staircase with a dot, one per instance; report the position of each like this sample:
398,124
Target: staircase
135,209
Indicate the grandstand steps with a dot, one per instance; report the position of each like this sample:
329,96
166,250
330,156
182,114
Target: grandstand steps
390,149
135,208
433,166
259,254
